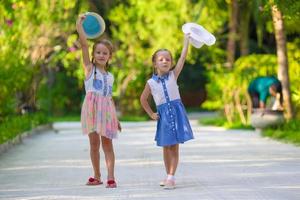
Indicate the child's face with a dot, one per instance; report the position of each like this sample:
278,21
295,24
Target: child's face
163,62
101,54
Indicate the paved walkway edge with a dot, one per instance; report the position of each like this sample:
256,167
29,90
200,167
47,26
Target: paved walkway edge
19,138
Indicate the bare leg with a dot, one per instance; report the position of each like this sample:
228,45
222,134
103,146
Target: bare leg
174,157
108,149
166,150
171,157
94,153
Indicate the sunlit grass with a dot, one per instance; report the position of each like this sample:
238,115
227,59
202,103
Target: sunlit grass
134,118
287,132
221,121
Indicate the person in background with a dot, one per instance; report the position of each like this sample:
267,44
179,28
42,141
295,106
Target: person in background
263,87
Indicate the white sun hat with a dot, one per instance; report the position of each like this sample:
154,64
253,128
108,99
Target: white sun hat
93,25
198,35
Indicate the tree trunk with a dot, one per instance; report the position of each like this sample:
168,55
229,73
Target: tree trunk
244,27
282,60
232,35
239,107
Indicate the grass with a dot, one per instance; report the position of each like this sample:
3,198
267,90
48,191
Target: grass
221,121
218,121
287,132
12,126
196,109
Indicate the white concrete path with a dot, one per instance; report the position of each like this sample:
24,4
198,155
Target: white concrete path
218,165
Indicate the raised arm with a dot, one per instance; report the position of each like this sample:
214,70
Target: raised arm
87,64
181,60
145,104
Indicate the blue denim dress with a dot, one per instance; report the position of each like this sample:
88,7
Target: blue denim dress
173,126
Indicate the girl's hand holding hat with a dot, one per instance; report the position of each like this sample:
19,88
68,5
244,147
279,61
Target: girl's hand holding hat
80,19
92,24
198,35
79,22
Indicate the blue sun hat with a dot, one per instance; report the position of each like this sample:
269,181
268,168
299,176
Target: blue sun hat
198,35
93,25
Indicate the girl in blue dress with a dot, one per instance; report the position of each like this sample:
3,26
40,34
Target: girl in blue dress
173,126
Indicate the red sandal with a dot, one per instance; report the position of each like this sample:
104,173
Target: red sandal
94,181
111,184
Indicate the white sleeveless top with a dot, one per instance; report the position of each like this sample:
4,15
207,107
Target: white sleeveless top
104,83
164,88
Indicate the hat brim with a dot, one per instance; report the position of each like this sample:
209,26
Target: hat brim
198,35
93,25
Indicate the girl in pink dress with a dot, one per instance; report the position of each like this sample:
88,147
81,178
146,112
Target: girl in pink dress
98,113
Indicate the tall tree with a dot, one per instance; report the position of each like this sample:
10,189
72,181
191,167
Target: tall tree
245,10
232,35
282,58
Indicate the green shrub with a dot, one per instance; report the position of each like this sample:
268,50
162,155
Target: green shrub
12,126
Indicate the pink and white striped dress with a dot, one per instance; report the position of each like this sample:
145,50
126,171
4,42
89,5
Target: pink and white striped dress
98,112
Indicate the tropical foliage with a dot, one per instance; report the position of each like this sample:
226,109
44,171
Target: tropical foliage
40,57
